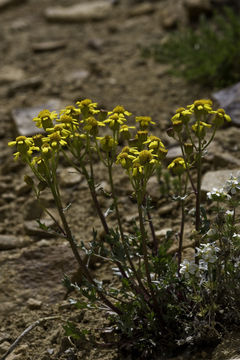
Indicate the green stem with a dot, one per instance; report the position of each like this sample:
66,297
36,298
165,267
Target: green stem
180,244
141,286
74,248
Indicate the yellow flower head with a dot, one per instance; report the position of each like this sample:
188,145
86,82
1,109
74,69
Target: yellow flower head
177,166
71,111
91,125
177,126
115,121
119,109
25,147
124,131
68,120
37,140
203,106
154,142
45,119
87,107
55,140
124,158
220,117
141,136
161,153
146,157
107,143
144,122
199,128
182,114
188,147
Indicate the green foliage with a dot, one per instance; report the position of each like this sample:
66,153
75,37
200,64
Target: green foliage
208,55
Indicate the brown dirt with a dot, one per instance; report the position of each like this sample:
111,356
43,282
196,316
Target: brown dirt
117,75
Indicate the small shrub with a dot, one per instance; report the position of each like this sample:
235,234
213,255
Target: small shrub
160,301
208,55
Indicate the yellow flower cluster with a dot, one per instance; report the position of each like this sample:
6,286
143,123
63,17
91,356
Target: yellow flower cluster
202,111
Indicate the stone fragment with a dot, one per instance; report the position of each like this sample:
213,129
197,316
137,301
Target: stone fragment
153,188
4,336
49,45
4,347
25,84
8,196
22,117
173,153
195,8
9,74
33,228
9,242
224,159
216,179
5,3
142,9
70,177
34,304
77,78
32,210
166,209
229,100
96,10
160,234
22,189
95,44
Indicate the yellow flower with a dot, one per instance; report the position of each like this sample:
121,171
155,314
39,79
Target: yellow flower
45,119
146,157
177,166
144,121
177,125
154,142
199,128
119,110
182,114
219,117
87,107
68,120
124,131
115,120
71,111
107,143
55,140
203,106
91,125
137,170
25,147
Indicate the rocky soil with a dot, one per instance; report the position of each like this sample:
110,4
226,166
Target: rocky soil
50,57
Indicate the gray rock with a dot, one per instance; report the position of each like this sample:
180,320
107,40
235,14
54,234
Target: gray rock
49,45
195,8
153,188
216,179
22,117
229,100
9,242
10,74
224,159
142,9
160,234
32,228
173,153
77,78
34,304
97,10
25,84
70,177
166,209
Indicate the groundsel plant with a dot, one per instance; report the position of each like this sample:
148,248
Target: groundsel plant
160,300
